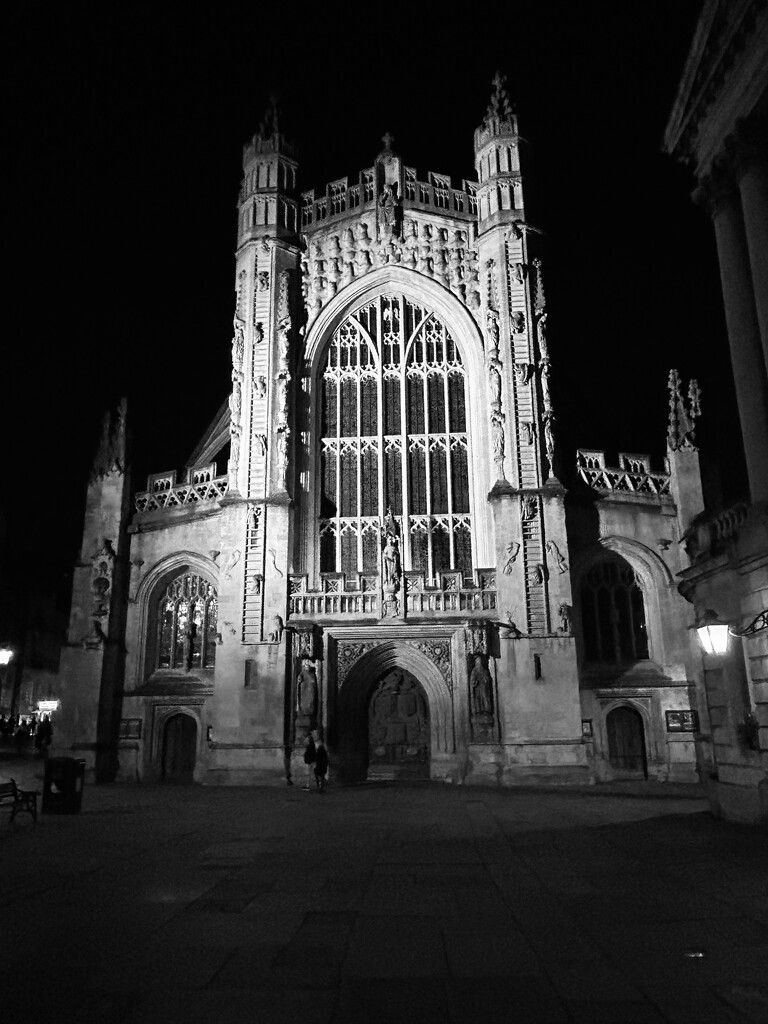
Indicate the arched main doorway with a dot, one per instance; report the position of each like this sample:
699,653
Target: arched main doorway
398,728
179,748
626,740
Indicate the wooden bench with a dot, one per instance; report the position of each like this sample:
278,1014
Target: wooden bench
21,799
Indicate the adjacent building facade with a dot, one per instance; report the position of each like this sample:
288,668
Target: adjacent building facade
372,541
719,127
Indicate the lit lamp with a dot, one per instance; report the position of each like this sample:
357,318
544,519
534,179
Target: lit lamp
713,633
6,653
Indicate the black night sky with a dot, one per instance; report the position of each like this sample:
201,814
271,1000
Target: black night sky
124,149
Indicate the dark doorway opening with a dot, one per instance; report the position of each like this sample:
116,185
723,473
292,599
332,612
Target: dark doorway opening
626,741
179,748
398,728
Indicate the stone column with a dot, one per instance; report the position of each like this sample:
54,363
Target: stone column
753,187
749,370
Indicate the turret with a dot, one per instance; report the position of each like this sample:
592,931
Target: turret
266,204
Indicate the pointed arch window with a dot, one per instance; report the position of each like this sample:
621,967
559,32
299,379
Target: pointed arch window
613,613
394,435
186,629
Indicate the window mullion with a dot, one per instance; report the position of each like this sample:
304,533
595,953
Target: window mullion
448,458
406,525
427,455
380,411
338,457
359,459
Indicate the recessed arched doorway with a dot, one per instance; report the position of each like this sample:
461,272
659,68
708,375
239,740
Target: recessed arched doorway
179,748
626,740
398,728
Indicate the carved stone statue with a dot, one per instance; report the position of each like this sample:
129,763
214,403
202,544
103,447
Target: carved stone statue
278,626
391,560
306,690
564,613
480,688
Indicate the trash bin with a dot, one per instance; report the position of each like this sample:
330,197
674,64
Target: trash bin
63,785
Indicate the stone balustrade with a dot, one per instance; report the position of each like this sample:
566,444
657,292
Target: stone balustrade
165,493
341,198
633,475
360,594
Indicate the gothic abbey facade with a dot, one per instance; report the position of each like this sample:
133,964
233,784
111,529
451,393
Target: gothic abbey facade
371,542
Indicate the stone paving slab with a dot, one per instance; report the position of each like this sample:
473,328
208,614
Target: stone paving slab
421,903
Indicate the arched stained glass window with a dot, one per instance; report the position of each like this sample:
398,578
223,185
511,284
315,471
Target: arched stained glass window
187,624
393,422
613,613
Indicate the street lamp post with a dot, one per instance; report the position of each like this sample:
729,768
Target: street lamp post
713,632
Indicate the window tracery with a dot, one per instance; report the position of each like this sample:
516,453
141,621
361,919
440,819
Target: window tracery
393,435
187,616
613,613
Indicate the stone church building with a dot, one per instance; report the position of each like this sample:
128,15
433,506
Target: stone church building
372,541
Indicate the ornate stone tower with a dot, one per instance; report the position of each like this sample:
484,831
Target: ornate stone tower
256,527
92,662
533,582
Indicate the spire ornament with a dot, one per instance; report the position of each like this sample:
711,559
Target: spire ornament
110,455
500,107
682,417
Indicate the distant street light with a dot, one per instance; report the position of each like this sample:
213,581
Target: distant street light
6,653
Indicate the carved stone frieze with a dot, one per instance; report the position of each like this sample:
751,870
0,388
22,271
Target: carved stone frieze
438,652
554,550
347,653
513,549
102,571
529,507
476,638
332,261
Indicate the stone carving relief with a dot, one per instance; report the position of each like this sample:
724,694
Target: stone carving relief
476,638
497,441
438,652
547,415
278,626
480,689
517,321
529,507
329,262
347,653
564,613
136,564
254,584
513,549
682,416
260,386
519,273
528,430
306,695
230,564
236,397
554,550
102,571
537,574
523,373
260,445
262,280
254,518
258,333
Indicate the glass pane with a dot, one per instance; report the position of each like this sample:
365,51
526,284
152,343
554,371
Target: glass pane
419,548
329,408
328,552
370,484
417,480
348,552
441,551
370,551
436,392
638,617
328,496
196,638
391,406
210,633
415,392
462,544
166,634
369,418
393,483
348,408
460,480
456,409
439,480
349,484
182,628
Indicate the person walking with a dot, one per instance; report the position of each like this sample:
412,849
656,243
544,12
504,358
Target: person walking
321,766
310,755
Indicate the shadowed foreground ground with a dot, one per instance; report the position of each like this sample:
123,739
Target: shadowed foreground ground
381,904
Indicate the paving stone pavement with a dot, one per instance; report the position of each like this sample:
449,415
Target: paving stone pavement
381,904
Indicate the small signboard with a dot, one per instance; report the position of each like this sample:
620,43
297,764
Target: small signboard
130,728
45,707
682,721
